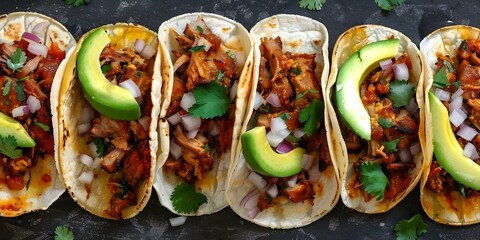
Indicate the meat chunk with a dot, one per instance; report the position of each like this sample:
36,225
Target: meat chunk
303,78
136,165
118,131
112,161
474,116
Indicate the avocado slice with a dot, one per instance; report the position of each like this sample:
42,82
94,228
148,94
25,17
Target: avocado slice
448,151
350,76
107,98
264,160
10,127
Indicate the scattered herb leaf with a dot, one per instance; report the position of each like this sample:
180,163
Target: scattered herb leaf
206,147
106,67
138,74
8,147
123,185
284,116
230,55
265,108
17,60
19,90
373,179
27,184
42,126
100,144
200,29
461,189
312,116
6,88
305,93
211,101
63,233
464,45
456,84
391,146
77,3
197,48
311,4
401,92
220,76
440,79
410,229
385,122
449,66
185,199
292,138
389,5
297,71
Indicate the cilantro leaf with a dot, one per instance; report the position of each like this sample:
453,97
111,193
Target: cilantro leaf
285,116
138,74
77,3
200,29
8,147
373,179
385,122
106,67
306,92
389,5
6,88
27,184
311,4
19,90
410,229
391,146
17,60
401,92
220,76
63,233
449,66
42,126
230,55
464,45
211,101
440,79
312,116
206,147
197,48
100,144
297,71
456,84
461,189
185,199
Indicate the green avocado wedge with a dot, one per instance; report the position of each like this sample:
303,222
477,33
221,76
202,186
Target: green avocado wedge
261,157
351,75
10,127
448,151
107,98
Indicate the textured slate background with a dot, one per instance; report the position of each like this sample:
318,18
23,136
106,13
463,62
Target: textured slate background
415,18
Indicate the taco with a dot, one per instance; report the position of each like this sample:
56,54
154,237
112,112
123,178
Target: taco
377,84
290,72
450,186
207,72
107,139
32,46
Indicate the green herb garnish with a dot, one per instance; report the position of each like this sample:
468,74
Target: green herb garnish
185,199
389,5
8,147
197,48
401,92
77,3
42,126
17,60
211,101
312,116
311,4
385,123
373,179
410,229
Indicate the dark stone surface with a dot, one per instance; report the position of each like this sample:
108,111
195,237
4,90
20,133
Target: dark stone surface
415,18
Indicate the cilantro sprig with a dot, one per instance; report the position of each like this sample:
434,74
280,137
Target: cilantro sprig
100,144
312,116
63,233
211,100
410,229
305,93
373,179
197,48
77,3
311,4
440,79
8,147
401,92
391,146
389,5
17,60
185,199
384,122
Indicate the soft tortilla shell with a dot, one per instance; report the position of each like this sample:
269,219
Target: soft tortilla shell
234,36
71,144
299,35
348,43
454,209
39,195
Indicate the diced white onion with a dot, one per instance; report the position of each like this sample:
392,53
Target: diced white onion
180,61
457,117
405,155
37,49
252,202
298,133
33,103
139,45
272,191
188,99
239,58
314,174
307,161
292,181
191,123
148,51
257,101
466,132
274,139
458,93
442,95
85,159
252,194
386,64
86,177
257,180
175,150
20,111
144,121
470,151
204,42
401,71
283,133
192,134
131,86
177,221
175,118
31,37
412,106
277,124
84,128
215,130
456,103
273,100
93,149
97,163
87,114
252,213
415,148
233,90
284,147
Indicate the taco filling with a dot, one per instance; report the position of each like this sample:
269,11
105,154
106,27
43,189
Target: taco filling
27,69
120,148
384,169
292,116
202,108
458,89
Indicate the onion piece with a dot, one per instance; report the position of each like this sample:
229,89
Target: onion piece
239,58
307,161
386,64
145,122
31,37
87,114
175,150
247,197
284,147
273,100
188,99
85,159
401,71
192,134
405,155
20,111
298,133
33,103
466,132
412,106
415,148
83,128
457,117
131,86
97,163
257,101
314,174
292,181
442,95
277,124
148,51
252,213
191,123
86,177
215,130
257,180
180,61
175,118
37,49
139,45
272,191
470,151
40,28
456,103
177,221
204,42
458,93
274,139
252,201
233,90
93,149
